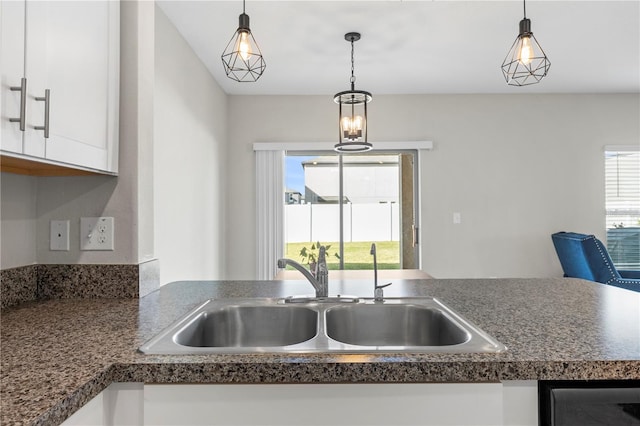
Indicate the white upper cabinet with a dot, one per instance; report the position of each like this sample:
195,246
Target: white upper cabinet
12,65
69,58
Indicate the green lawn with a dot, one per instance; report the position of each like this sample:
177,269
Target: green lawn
356,255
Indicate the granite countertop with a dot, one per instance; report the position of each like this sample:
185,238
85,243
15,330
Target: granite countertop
58,354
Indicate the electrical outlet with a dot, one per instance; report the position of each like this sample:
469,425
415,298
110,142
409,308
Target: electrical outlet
96,233
59,235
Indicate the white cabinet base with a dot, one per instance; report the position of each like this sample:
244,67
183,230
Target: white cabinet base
343,404
459,404
119,404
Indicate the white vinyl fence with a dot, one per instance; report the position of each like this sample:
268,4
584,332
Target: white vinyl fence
321,222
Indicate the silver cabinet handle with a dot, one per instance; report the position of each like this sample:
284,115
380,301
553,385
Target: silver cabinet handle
23,103
47,102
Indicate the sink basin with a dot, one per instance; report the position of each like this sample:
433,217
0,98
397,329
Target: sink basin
331,325
249,326
393,325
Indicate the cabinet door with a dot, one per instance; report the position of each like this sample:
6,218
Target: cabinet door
426,404
72,50
12,66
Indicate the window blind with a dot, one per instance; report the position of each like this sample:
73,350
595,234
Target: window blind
622,199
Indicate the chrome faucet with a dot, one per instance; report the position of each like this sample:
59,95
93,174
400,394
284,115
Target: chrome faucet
320,277
378,293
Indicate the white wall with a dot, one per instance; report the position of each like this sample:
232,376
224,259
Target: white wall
18,220
189,161
517,168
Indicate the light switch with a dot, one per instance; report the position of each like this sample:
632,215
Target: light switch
59,235
457,219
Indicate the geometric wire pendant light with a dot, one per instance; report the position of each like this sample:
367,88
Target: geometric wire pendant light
242,58
526,63
352,112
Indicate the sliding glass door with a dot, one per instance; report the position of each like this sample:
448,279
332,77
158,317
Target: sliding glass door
348,202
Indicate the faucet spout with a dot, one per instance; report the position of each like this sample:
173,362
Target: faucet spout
320,281
377,289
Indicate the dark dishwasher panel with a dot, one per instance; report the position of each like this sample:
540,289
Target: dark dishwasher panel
589,403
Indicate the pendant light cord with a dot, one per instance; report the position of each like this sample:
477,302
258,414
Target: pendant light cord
353,77
524,6
243,10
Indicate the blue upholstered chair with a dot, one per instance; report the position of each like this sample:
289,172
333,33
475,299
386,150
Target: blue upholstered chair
584,256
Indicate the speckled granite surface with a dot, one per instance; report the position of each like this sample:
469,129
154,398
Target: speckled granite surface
87,281
36,282
18,285
58,354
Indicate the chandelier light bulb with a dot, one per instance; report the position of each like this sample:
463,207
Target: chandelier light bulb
244,45
526,51
352,127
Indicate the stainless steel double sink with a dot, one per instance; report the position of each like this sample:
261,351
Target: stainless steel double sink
244,326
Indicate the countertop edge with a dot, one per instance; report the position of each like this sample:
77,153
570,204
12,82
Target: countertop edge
353,373
77,399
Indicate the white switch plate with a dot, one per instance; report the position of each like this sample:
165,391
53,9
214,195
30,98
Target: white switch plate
96,233
457,219
59,235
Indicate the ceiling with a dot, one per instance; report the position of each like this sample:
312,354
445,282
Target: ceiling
418,47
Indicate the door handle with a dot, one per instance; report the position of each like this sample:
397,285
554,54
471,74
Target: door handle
47,101
23,103
414,234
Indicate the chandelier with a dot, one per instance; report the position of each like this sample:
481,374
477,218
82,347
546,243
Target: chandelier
352,112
